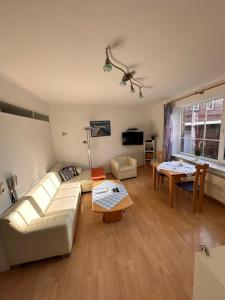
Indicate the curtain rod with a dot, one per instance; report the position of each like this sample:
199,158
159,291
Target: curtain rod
200,92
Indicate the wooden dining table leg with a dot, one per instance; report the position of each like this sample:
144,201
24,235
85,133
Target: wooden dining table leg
154,177
171,190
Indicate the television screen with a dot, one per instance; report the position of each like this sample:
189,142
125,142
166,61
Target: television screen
132,138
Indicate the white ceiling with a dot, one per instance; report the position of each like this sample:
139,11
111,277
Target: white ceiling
56,48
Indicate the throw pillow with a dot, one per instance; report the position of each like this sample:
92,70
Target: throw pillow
73,170
65,174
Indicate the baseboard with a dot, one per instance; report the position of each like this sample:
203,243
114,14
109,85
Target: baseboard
218,202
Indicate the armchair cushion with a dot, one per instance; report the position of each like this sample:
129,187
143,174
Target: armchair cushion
124,168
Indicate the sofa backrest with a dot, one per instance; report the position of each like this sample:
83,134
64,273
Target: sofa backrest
27,211
55,178
49,186
39,197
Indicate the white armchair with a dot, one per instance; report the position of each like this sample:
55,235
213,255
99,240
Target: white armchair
124,167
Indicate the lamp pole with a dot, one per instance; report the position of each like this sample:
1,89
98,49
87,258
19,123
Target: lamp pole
88,142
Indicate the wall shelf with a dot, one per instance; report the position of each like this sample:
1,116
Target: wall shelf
149,151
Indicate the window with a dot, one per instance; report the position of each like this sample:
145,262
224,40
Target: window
201,128
195,107
210,105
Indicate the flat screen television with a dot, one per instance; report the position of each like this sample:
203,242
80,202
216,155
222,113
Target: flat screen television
132,138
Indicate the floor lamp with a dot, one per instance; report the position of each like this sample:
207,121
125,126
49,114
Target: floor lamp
88,142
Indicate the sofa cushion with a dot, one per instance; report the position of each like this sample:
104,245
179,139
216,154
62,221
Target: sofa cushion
63,193
55,178
49,186
27,211
17,221
49,222
69,185
39,197
62,205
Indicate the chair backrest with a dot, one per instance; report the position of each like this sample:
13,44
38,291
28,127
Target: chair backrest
122,159
200,178
160,156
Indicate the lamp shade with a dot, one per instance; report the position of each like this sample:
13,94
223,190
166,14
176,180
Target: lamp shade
107,66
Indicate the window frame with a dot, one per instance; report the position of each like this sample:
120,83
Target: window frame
221,150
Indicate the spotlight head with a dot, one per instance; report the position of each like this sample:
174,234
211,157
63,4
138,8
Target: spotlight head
140,94
107,66
132,90
123,83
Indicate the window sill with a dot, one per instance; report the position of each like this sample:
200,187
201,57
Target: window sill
214,168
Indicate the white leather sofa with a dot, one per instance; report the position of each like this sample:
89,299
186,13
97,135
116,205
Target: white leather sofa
42,223
124,167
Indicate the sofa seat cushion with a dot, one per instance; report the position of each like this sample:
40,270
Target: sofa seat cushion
125,168
63,205
69,185
68,192
48,222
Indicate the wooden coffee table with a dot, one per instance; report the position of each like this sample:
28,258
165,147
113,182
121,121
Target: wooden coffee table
114,214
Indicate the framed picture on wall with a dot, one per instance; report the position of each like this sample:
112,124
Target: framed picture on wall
100,128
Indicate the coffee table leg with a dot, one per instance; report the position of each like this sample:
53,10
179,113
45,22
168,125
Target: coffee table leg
112,216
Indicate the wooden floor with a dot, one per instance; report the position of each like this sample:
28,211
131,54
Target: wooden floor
147,255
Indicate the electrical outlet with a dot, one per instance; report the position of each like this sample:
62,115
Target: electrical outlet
2,188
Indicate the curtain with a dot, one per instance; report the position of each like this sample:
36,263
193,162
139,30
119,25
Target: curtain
168,130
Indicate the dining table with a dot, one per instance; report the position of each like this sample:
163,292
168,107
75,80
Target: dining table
174,171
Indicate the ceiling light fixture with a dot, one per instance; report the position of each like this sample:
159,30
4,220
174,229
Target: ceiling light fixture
127,76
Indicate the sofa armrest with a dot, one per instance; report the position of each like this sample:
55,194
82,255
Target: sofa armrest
132,162
115,164
45,237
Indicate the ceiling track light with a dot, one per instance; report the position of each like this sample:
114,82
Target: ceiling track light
127,76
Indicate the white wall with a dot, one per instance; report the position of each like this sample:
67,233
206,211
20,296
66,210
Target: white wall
73,119
25,145
26,150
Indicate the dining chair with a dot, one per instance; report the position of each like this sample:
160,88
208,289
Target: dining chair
160,157
195,185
